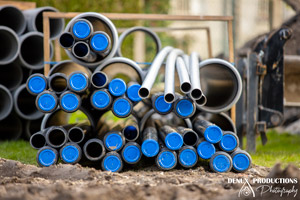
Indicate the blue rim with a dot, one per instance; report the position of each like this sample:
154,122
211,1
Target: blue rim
69,102
131,154
46,102
150,148
221,163
213,134
112,163
174,141
114,142
166,160
185,108
161,105
133,92
70,154
81,29
206,150
117,87
99,42
101,99
228,142
122,107
37,84
188,157
78,82
241,162
47,157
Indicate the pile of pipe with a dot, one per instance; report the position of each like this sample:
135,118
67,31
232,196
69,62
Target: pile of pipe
21,54
127,123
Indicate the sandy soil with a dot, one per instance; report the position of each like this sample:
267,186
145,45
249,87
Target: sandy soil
63,182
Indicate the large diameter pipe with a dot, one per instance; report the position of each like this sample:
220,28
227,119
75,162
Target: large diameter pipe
13,18
221,84
24,104
10,45
67,67
183,74
6,104
31,127
11,75
169,93
34,19
32,50
144,91
82,51
196,91
10,128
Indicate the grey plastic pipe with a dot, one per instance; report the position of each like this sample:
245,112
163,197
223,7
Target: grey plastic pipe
183,74
34,20
81,50
10,45
6,104
13,18
58,83
11,75
67,67
10,128
144,91
196,91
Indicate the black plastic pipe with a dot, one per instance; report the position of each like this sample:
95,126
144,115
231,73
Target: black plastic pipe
10,128
10,45
94,149
13,18
56,136
6,102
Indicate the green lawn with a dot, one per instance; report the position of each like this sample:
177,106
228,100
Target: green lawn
282,148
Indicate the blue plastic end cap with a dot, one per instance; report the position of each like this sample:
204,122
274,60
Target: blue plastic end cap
117,87
114,142
69,102
161,105
221,163
69,154
133,92
174,141
101,99
213,134
166,160
241,162
81,29
47,157
228,142
131,154
122,107
78,82
206,150
37,84
112,163
150,148
185,108
188,157
47,102
99,42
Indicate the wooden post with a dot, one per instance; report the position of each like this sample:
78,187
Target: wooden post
209,44
46,29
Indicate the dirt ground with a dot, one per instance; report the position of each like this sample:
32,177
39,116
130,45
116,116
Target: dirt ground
64,182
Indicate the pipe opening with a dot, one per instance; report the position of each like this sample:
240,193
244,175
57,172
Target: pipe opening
5,101
81,49
58,83
38,141
130,133
99,79
196,93
9,45
202,101
26,103
10,128
76,135
169,98
144,92
94,149
185,87
32,50
190,138
66,40
32,127
56,137
13,18
11,75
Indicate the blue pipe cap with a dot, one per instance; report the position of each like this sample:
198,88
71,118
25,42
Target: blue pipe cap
161,105
174,141
185,108
70,154
113,142
99,42
69,102
117,87
206,150
188,157
78,82
241,162
101,99
122,107
166,160
150,148
81,29
228,142
221,163
46,102
133,92
213,134
131,154
37,84
112,163
47,157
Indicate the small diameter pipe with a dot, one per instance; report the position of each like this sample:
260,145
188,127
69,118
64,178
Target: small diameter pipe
100,43
131,153
166,159
58,83
122,107
81,50
202,101
132,92
150,146
222,120
99,80
70,153
94,149
184,107
101,99
13,18
46,102
160,105
169,92
69,102
38,140
66,40
229,141
78,82
220,162
194,72
10,45
11,128
36,84
114,141
47,156
212,133
11,75
131,130
172,139
186,59
31,127
149,80
117,87
241,160
187,156
190,137
79,132
81,29
205,149
6,104
56,136
183,74
112,161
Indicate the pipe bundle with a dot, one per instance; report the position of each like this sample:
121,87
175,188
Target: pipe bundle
21,54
